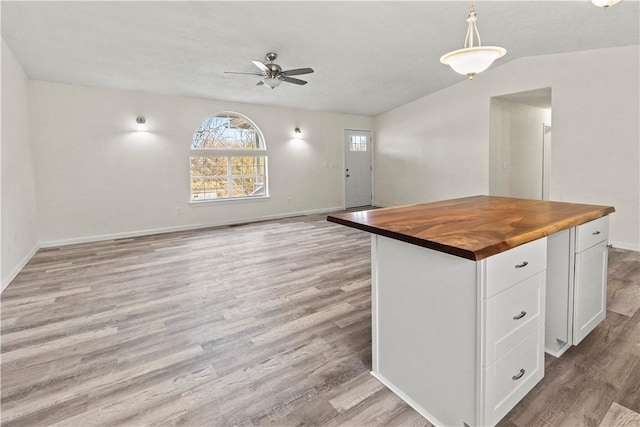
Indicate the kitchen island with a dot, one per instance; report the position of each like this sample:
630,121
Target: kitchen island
468,294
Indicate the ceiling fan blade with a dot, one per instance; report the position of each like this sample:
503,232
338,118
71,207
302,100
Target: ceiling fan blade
294,81
262,67
251,74
298,71
260,83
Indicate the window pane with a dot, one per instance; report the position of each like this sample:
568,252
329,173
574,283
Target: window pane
197,189
196,166
248,178
358,143
259,189
215,188
216,166
247,187
226,131
236,169
208,166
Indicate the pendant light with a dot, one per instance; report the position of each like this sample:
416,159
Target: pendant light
472,59
604,3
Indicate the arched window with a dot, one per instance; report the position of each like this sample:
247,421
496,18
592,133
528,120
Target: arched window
228,159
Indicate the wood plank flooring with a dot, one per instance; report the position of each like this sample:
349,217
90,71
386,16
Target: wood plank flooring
259,324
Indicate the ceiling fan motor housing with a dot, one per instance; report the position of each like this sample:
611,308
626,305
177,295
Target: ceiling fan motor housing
275,70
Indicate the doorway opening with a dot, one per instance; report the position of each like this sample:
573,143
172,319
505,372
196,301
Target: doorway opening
520,144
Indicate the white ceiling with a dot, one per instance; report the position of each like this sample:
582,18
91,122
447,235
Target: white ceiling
368,57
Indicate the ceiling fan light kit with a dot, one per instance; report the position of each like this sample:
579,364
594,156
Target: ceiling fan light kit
472,60
272,82
605,4
273,75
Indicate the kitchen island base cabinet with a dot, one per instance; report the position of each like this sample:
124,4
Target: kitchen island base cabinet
590,294
467,294
590,288
434,343
576,284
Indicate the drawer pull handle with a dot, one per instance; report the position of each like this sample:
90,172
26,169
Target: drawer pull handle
520,375
520,316
524,264
595,233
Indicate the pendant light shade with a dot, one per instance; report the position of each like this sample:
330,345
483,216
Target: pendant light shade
604,3
472,59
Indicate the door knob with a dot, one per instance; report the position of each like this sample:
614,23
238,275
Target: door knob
348,175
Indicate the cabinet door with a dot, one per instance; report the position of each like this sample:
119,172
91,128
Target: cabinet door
590,292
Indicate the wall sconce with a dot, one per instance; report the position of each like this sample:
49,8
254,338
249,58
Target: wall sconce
142,127
298,132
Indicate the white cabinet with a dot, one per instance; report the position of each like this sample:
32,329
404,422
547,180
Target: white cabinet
513,376
591,233
510,267
576,284
513,315
590,289
460,341
513,326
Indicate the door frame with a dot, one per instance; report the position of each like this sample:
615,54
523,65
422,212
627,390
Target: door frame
344,164
547,141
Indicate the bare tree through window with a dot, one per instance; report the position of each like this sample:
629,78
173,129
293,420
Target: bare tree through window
228,159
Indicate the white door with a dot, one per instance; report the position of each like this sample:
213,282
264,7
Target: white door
357,168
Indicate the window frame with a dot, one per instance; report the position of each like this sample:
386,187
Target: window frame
260,152
358,144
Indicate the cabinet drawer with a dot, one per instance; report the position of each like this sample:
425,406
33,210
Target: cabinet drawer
513,266
513,376
513,315
592,233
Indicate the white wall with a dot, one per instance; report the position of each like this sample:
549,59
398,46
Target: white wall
437,147
97,177
515,149
18,230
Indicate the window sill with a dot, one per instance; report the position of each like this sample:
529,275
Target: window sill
235,199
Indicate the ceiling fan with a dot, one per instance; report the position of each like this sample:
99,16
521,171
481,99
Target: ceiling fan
273,75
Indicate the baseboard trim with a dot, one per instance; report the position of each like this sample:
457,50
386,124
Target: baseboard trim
6,281
627,246
138,233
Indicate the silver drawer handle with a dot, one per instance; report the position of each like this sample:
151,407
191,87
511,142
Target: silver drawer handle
520,316
524,264
595,233
517,377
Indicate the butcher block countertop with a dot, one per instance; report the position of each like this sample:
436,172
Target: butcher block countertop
472,227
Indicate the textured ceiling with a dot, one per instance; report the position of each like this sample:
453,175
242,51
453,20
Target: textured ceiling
369,57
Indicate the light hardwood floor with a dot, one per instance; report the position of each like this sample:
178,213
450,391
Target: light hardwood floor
259,324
